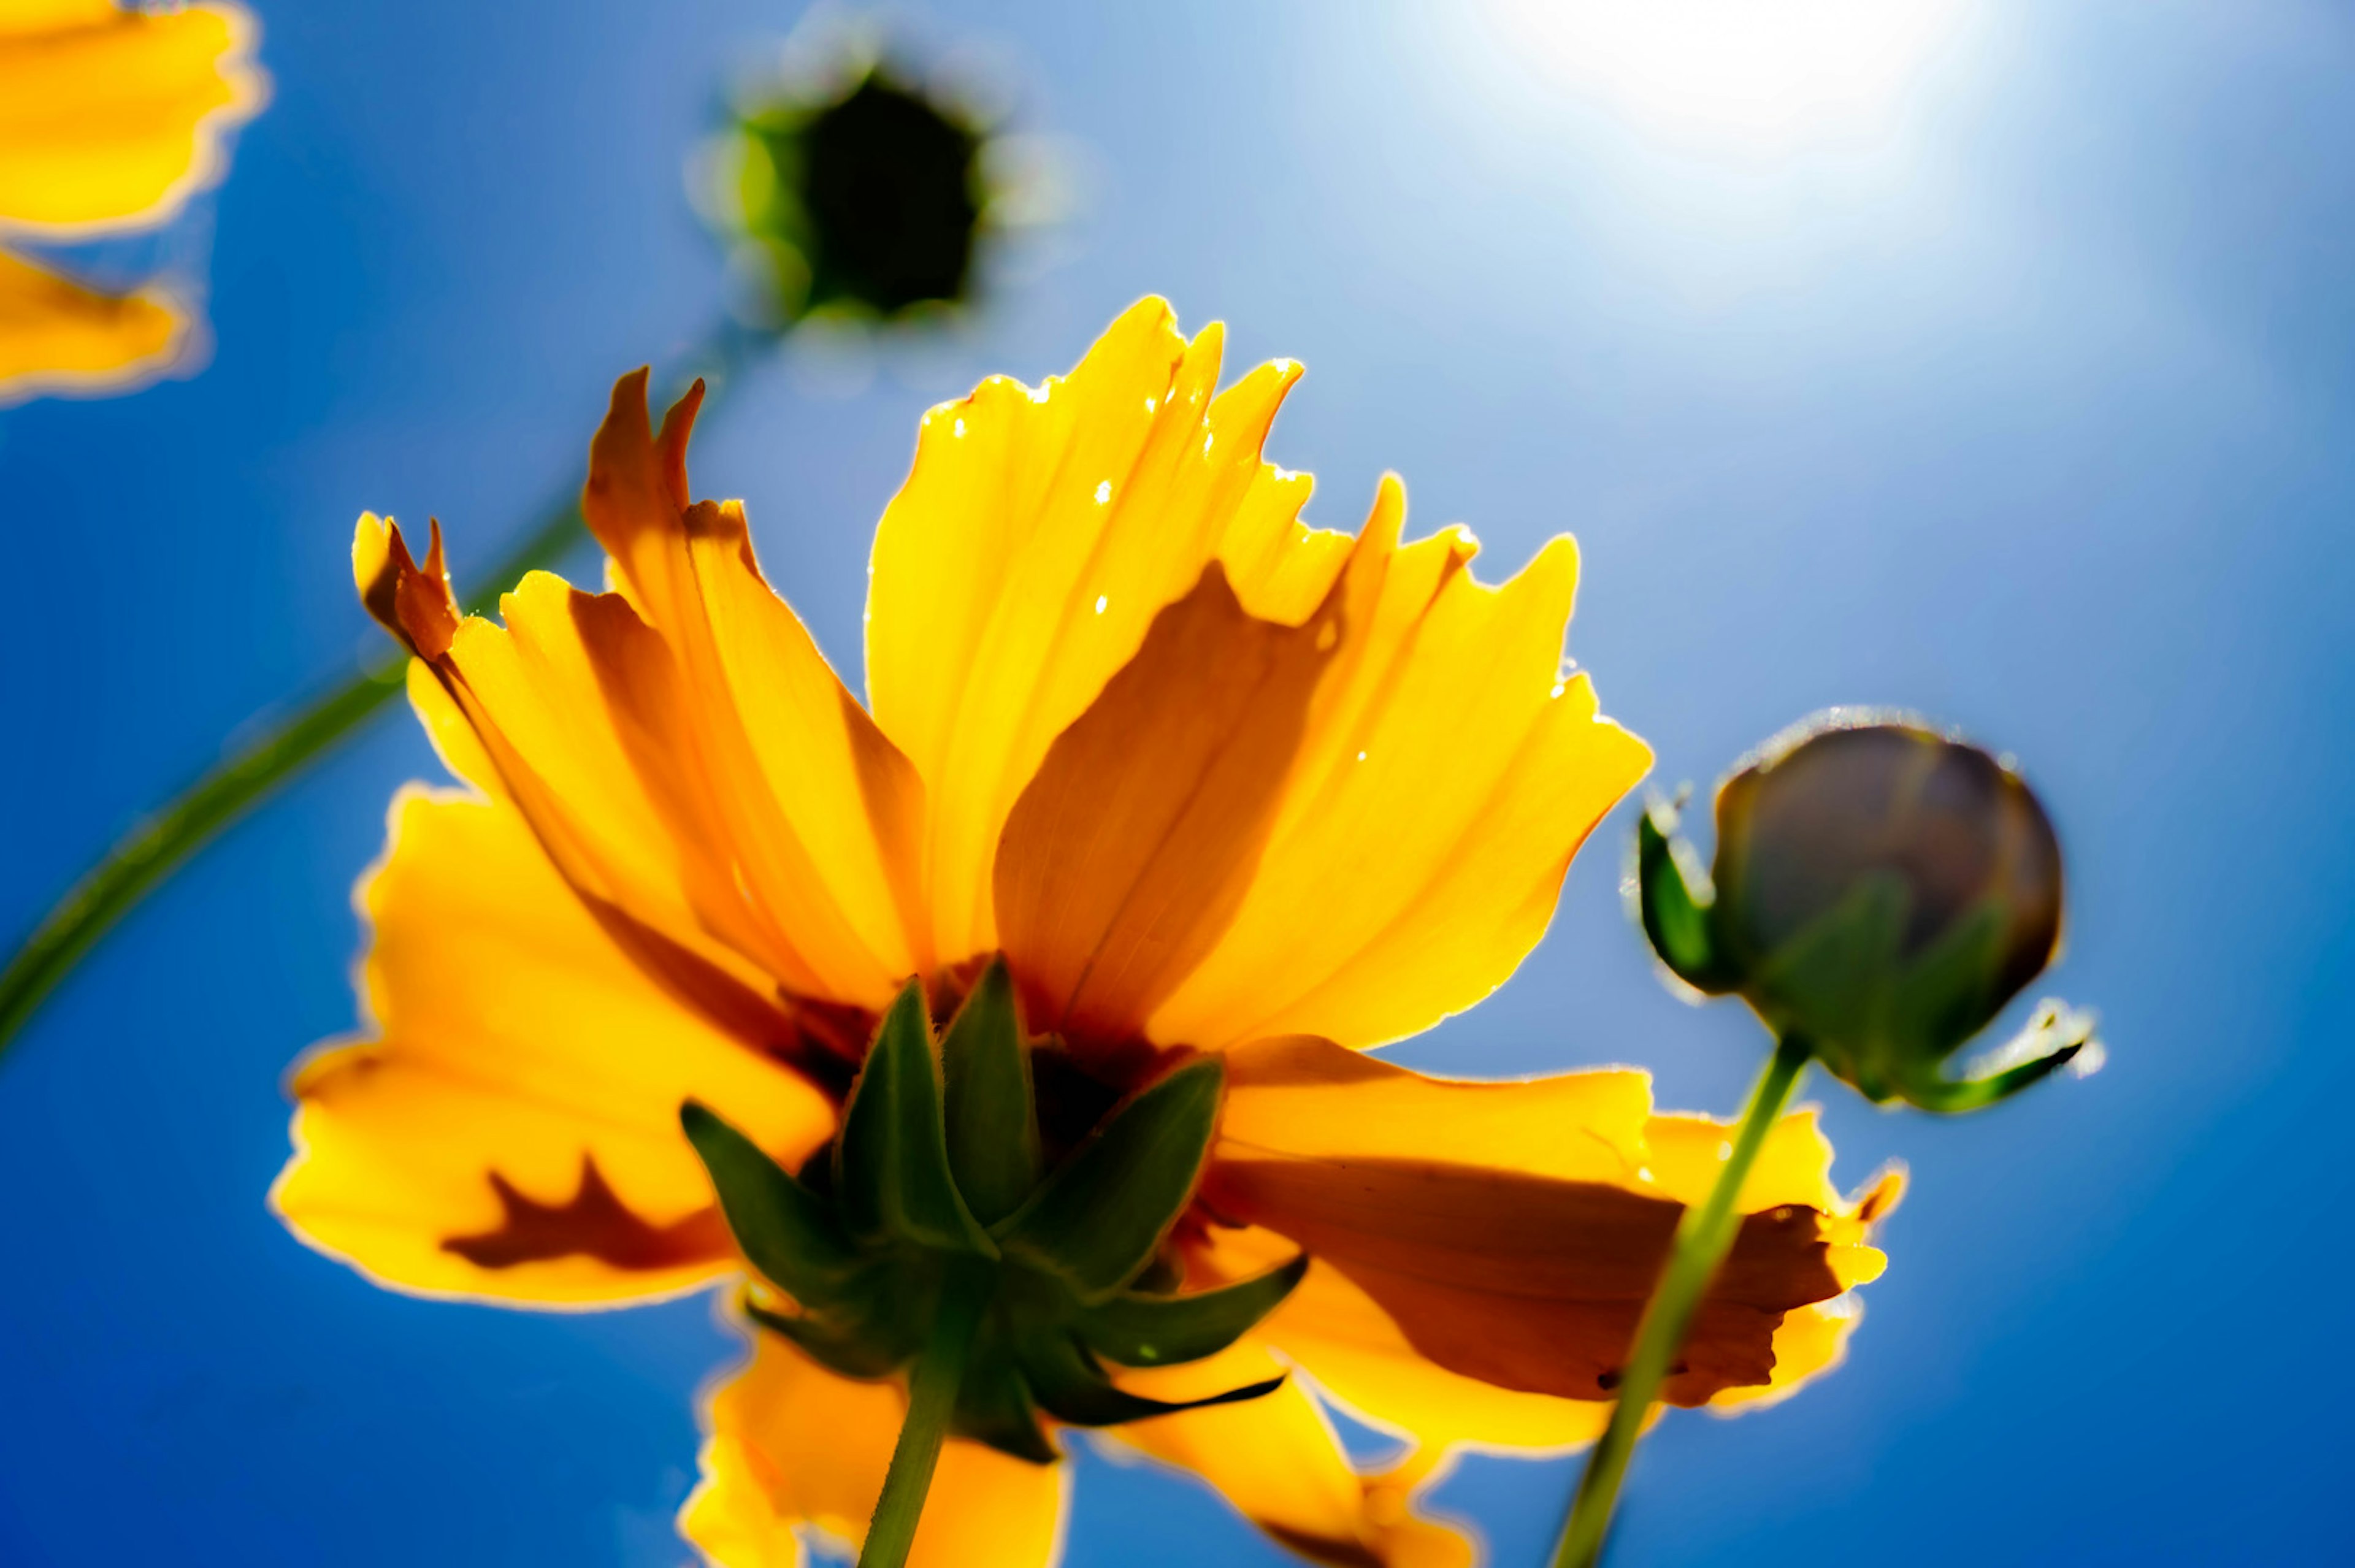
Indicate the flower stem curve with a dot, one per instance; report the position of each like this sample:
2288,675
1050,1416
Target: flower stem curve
273,748
932,1400
1703,1238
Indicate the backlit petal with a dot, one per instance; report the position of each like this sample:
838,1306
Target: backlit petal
1036,538
1128,853
58,337
795,1447
512,1130
1278,1461
594,732
822,813
1451,772
1496,1258
110,118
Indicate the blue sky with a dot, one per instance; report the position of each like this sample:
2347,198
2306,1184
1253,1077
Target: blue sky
2016,388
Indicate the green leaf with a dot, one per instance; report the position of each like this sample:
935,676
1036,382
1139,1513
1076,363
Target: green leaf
1676,916
1166,1330
1097,1220
1070,1386
891,1163
788,1232
992,1118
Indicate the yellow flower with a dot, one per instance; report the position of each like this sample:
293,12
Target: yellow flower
1212,780
110,120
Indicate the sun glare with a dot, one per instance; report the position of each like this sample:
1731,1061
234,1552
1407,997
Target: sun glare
1757,71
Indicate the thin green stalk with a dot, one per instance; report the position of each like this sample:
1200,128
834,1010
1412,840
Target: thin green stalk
932,1400
1703,1238
248,772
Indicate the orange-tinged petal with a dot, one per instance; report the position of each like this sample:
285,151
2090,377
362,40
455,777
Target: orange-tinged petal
1451,773
822,813
512,1132
1036,538
583,714
59,336
1357,1355
1494,1259
1278,1460
1130,850
110,118
795,1447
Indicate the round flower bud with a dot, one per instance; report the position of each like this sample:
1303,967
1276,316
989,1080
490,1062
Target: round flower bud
851,188
1880,891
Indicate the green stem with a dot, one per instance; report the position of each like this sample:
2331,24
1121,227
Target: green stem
1703,1238
932,1400
248,772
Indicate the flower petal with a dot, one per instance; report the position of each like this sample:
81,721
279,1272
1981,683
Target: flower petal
1036,538
512,1132
1357,1355
110,118
1451,772
822,813
1129,851
588,723
1278,1460
1495,1260
57,336
795,1447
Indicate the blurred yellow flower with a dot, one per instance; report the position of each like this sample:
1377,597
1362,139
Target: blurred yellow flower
1211,781
110,120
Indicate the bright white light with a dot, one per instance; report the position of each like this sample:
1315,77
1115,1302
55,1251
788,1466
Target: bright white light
1759,69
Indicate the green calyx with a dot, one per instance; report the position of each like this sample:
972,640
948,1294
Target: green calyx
936,1187
1881,1019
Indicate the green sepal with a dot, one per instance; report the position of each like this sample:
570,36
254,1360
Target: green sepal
1097,1220
1948,993
2054,1037
1676,904
1829,984
1138,1330
851,1349
892,1177
992,1115
994,1403
1070,1386
788,1232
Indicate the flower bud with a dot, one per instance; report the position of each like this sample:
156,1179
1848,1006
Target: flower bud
1880,891
855,191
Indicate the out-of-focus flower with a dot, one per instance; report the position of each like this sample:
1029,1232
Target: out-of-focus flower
110,120
850,187
1214,800
1880,890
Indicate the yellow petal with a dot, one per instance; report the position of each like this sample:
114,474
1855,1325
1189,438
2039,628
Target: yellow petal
1036,538
1277,1459
1450,774
1128,853
793,1445
1496,1259
58,337
511,1131
109,119
822,814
